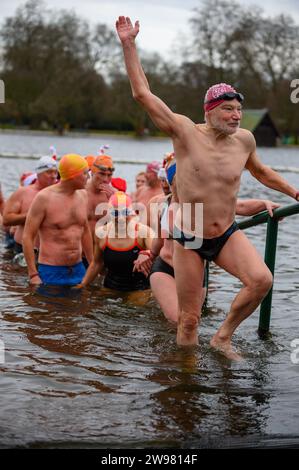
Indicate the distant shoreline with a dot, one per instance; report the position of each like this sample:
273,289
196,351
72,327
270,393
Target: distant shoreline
92,133
101,134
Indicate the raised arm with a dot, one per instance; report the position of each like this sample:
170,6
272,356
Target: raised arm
270,178
127,34
1,202
161,115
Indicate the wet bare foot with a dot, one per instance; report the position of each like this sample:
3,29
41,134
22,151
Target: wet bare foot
187,332
225,348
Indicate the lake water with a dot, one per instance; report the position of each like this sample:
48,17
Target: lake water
84,370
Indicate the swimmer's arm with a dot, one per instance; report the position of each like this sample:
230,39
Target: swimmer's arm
146,236
12,211
157,239
145,239
34,220
162,116
153,242
152,214
94,268
1,202
270,178
149,238
254,206
87,243
157,246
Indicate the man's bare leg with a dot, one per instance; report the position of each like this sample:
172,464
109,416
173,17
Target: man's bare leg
241,259
189,272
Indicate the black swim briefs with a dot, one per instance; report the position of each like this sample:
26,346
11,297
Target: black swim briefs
210,247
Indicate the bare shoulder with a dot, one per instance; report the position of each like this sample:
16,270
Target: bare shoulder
142,190
247,138
184,119
157,199
202,126
82,193
82,197
47,192
43,196
19,193
184,122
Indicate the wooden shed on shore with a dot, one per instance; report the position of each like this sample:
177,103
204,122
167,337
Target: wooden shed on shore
259,122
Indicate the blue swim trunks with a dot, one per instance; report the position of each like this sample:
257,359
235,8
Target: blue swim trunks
61,275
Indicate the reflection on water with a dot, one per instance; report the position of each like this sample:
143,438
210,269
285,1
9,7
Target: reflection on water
84,369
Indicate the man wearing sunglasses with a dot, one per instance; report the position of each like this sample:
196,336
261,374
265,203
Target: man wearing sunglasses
210,160
99,188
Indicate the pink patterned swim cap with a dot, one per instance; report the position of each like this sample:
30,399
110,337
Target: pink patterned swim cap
224,92
154,167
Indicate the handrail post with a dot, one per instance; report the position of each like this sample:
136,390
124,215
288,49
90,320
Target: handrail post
270,254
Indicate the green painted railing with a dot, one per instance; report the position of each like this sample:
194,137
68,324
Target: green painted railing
270,254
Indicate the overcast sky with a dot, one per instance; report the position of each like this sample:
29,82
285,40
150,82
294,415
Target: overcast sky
160,20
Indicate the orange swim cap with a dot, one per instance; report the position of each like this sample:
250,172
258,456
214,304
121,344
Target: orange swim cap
102,162
90,160
71,165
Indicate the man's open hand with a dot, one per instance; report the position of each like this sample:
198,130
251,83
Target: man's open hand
125,28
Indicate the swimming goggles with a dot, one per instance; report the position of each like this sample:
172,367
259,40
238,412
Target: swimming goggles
230,95
120,212
106,169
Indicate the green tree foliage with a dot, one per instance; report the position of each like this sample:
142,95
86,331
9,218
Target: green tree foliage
49,66
259,55
59,70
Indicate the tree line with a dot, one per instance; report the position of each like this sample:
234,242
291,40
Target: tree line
59,71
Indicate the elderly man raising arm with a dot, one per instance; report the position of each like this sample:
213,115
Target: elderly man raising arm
210,160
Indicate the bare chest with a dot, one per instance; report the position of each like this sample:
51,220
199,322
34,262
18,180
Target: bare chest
97,203
147,194
208,161
67,214
224,166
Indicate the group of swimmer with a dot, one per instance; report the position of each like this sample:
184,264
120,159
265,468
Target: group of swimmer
86,224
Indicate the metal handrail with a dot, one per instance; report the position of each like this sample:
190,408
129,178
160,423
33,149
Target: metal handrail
270,254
